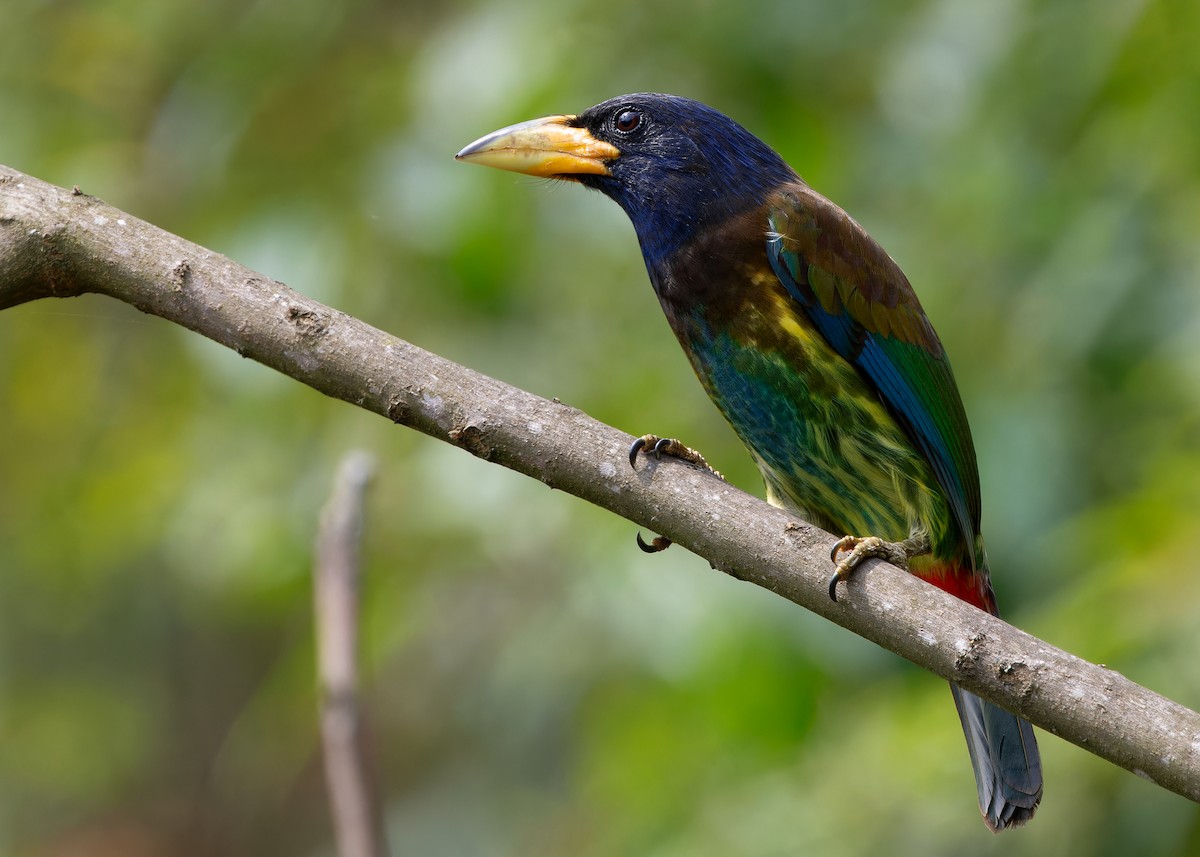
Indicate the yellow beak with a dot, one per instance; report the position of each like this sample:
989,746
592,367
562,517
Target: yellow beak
547,147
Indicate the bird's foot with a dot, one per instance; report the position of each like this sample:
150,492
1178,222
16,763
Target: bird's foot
652,444
859,548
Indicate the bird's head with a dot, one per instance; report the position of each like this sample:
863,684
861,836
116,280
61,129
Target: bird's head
675,166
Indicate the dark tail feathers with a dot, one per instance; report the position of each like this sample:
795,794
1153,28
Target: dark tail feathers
1004,754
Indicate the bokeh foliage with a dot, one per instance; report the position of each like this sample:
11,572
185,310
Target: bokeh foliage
536,684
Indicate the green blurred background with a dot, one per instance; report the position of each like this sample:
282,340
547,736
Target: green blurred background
536,685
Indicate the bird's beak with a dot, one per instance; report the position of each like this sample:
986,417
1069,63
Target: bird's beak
549,147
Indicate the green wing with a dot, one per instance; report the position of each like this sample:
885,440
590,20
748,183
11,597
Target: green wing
862,304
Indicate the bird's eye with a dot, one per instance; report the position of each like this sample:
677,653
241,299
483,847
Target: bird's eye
627,120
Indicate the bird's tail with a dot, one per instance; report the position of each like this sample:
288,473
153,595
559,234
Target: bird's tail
1004,754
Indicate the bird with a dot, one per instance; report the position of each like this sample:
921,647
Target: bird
812,343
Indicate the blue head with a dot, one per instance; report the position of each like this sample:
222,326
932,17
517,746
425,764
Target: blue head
675,166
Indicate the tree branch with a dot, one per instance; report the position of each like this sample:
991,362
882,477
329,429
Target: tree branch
352,798
56,243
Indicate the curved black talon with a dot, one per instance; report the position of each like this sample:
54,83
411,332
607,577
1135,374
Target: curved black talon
634,448
837,548
663,443
660,543
833,582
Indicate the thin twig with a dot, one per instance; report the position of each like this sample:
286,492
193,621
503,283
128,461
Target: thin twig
352,798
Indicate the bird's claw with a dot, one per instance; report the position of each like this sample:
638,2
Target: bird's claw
834,579
657,446
652,444
658,543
